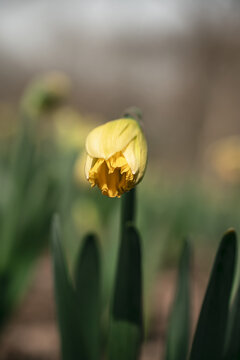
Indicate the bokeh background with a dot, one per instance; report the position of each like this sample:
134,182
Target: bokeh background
179,61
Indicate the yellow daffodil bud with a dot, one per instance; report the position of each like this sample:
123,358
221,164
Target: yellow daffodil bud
44,92
116,156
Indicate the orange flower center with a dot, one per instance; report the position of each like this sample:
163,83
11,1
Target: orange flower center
113,176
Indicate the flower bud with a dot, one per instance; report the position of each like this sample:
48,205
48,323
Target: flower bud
116,156
44,92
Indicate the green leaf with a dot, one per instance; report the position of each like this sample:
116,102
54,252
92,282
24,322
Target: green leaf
20,175
67,309
233,341
179,325
78,309
125,341
5,306
126,324
87,281
209,338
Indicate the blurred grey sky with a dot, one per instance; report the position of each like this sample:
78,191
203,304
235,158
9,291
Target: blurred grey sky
36,28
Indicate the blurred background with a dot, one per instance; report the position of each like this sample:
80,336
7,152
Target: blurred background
67,66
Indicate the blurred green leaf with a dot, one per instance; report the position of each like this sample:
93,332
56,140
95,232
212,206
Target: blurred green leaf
210,334
30,197
87,281
126,323
5,306
21,165
179,325
67,310
233,336
78,310
125,341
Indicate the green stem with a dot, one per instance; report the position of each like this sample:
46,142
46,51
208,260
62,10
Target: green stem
128,210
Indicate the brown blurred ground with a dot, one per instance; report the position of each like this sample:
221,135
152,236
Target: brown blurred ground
32,334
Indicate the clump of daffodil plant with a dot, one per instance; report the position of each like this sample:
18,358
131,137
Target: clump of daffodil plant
116,156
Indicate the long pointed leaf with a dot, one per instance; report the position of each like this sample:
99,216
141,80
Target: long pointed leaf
67,310
87,281
126,324
211,328
233,343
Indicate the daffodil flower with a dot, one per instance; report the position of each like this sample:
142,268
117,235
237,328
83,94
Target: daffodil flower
116,156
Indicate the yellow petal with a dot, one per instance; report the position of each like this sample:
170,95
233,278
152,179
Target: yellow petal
88,165
136,155
110,138
112,176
